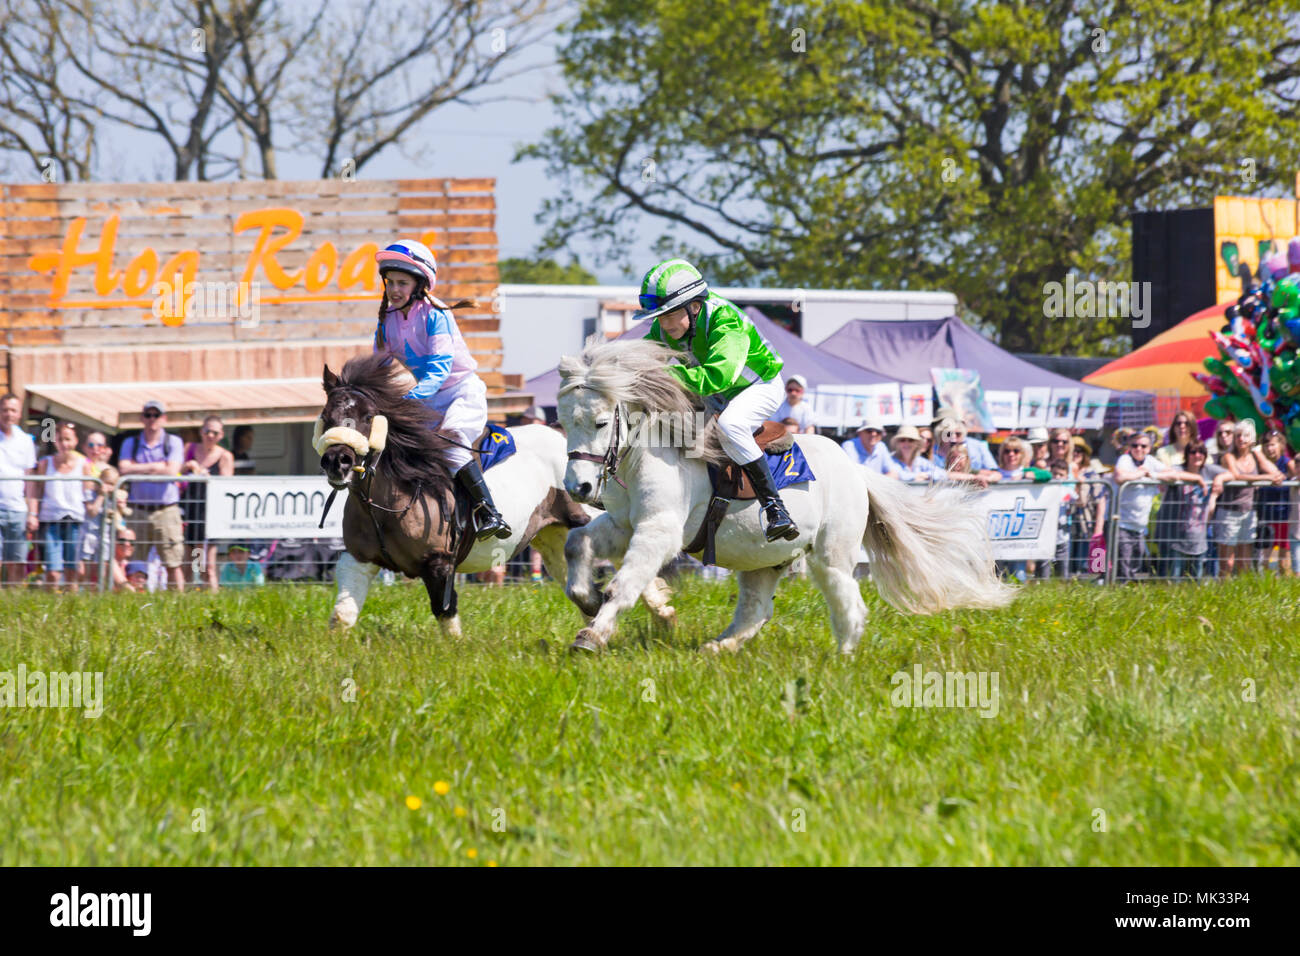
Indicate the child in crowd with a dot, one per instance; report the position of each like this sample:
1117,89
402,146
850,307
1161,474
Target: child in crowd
239,571
98,509
1060,471
137,576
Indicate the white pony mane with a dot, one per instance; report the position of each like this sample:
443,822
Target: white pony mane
634,373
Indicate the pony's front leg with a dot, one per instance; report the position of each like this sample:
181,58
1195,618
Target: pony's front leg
550,544
353,579
598,540
652,544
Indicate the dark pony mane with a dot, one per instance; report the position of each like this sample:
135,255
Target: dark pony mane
414,452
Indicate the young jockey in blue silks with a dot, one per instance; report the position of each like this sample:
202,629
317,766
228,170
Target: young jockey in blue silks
728,362
420,332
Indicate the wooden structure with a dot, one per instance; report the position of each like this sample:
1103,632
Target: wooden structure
224,297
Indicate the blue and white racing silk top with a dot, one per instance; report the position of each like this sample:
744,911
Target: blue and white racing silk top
427,341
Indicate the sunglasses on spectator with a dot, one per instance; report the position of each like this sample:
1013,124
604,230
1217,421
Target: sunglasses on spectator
1138,444
95,444
1059,441
150,414
211,431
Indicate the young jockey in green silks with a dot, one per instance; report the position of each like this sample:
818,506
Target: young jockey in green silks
727,362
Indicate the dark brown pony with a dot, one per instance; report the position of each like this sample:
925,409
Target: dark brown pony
401,508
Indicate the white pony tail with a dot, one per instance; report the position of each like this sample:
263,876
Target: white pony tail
929,551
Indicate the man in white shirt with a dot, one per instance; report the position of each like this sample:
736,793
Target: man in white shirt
1135,503
794,406
868,450
17,458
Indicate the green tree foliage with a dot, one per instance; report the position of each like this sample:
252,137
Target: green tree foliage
543,272
987,148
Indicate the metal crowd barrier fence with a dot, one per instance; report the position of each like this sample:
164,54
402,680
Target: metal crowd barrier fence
248,530
264,528
1046,529
251,530
1173,530
65,551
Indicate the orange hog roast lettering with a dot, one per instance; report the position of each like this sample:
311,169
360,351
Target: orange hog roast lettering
172,286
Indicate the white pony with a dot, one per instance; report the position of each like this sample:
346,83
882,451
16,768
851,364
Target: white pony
617,403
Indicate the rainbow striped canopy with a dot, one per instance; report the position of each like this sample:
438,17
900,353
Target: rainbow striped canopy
1168,360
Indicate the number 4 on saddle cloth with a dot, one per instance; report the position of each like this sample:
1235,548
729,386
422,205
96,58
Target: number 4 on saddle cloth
786,462
494,446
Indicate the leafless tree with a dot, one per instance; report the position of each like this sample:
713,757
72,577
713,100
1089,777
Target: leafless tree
152,66
37,120
338,79
258,84
381,68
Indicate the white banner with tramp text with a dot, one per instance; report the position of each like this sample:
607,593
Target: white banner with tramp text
271,506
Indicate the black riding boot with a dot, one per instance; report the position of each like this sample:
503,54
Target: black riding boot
487,520
779,522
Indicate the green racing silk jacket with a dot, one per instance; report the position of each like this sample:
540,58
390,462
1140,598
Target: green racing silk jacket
731,352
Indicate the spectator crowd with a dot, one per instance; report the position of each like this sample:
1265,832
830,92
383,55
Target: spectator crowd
1180,506
52,531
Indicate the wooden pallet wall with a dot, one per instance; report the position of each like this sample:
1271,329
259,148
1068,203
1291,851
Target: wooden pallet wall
79,263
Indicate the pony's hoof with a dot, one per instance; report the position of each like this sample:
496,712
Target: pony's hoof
585,641
717,647
667,617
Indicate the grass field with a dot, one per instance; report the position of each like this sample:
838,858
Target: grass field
1124,733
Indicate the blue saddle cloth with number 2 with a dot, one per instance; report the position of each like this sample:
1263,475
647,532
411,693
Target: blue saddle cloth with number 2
789,467
494,446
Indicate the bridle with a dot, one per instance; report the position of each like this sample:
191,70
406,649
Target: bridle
371,448
612,458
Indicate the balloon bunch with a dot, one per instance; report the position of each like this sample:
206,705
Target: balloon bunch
1257,373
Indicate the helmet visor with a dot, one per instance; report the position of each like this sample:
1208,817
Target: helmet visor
650,301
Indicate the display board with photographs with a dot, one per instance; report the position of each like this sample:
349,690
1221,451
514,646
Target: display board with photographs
960,389
1034,401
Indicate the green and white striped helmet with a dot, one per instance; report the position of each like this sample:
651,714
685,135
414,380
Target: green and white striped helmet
670,285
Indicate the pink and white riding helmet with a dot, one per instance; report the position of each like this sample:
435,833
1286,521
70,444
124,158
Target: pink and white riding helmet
409,256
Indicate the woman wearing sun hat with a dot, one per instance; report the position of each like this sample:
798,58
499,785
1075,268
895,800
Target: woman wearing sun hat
906,446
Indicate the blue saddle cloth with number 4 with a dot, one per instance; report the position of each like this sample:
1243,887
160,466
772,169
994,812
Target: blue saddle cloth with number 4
494,446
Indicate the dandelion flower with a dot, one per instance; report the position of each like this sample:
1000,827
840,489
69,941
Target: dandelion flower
441,788
459,811
491,862
414,802
472,854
